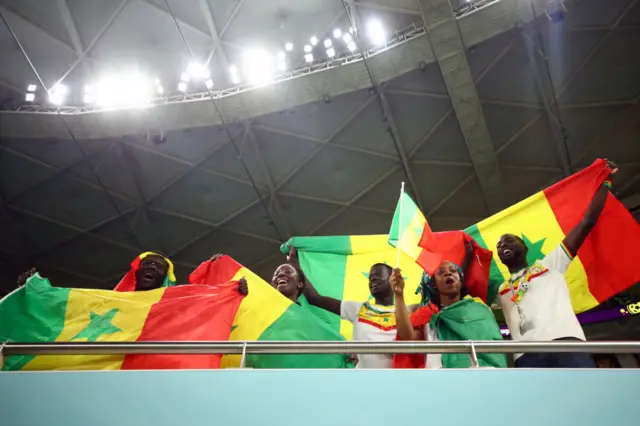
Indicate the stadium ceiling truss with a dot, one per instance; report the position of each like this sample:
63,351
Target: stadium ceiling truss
445,38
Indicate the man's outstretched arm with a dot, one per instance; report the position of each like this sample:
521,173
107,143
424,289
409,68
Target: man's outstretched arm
574,239
313,297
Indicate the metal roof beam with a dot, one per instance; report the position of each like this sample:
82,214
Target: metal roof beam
215,37
301,89
70,25
448,47
544,88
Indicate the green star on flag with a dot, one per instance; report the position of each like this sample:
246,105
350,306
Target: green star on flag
535,249
98,325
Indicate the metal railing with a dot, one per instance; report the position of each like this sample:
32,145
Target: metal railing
318,347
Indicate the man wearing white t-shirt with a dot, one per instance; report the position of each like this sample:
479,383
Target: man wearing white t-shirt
536,300
371,321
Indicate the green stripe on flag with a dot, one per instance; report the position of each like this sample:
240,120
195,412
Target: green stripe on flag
32,313
327,272
409,210
335,245
495,276
293,325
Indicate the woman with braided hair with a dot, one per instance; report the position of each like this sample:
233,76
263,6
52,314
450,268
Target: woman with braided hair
447,313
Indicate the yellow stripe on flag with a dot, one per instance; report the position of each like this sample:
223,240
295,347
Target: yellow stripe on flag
534,219
258,310
123,314
411,236
375,249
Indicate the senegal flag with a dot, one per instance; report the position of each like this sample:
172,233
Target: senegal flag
339,267
408,228
606,264
265,314
38,312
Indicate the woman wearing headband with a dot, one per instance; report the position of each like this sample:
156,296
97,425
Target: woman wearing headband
448,313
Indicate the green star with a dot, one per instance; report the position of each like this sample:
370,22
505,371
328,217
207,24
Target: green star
535,249
233,327
98,325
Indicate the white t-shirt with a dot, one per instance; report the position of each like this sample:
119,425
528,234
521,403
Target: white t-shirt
543,312
371,323
433,360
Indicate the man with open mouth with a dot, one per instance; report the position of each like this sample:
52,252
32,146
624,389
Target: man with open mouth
536,300
149,271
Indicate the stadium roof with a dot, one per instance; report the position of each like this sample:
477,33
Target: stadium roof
461,105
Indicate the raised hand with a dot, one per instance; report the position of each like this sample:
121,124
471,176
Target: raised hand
397,282
22,279
243,286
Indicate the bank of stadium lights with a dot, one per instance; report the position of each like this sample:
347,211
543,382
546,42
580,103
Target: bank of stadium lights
258,67
159,87
337,33
234,75
313,40
58,94
288,47
30,96
348,40
131,89
376,32
197,72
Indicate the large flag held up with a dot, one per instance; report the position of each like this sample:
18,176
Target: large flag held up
606,263
411,233
265,314
339,267
39,312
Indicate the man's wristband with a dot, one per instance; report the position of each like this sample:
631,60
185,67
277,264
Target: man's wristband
607,183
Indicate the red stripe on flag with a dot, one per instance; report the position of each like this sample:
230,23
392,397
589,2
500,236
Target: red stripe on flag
609,253
225,269
195,313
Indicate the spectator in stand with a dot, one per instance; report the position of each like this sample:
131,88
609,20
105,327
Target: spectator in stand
149,271
448,313
372,321
289,280
536,300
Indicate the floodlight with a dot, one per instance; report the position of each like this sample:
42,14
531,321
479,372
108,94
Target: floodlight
182,87
352,46
160,90
347,38
30,97
376,32
258,67
337,33
157,81
31,88
288,47
282,66
308,57
351,30
281,55
134,89
185,77
233,74
307,48
331,52
208,83
314,40
327,43
58,94
197,71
